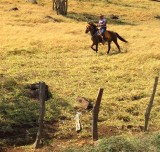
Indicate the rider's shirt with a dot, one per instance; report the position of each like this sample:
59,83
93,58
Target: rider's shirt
102,22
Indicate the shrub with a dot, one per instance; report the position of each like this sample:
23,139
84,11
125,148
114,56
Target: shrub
115,144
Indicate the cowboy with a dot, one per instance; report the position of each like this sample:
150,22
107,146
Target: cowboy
102,24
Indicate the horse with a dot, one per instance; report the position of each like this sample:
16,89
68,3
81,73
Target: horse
109,36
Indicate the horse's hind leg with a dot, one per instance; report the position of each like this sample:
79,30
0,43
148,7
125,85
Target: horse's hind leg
116,43
109,47
96,47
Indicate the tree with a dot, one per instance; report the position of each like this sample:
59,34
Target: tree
60,6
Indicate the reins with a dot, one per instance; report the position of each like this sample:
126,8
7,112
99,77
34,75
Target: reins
95,33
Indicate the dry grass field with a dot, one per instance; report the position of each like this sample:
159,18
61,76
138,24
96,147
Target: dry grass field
57,51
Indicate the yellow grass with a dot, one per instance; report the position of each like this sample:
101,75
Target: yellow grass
34,49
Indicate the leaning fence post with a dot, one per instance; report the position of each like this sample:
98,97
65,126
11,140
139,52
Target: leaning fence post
42,96
148,110
95,115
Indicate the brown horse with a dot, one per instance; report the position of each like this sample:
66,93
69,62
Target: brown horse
109,36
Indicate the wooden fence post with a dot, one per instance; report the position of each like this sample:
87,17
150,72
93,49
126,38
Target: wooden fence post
148,110
95,115
78,122
42,96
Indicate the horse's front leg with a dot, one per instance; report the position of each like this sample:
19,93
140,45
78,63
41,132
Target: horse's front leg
95,49
92,47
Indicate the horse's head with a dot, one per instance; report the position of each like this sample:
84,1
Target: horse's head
91,27
88,28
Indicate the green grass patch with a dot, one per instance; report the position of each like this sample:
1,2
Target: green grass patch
123,143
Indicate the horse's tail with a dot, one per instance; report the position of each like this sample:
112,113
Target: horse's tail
122,39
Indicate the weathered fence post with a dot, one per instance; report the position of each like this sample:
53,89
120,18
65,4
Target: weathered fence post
148,110
95,115
42,97
78,122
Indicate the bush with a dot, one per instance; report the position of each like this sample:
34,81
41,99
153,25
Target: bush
115,144
145,143
157,141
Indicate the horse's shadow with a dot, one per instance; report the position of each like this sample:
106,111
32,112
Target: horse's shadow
113,52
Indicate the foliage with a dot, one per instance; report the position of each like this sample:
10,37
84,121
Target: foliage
16,111
115,144
82,17
121,143
57,51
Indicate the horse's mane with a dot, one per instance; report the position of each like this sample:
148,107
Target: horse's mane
94,26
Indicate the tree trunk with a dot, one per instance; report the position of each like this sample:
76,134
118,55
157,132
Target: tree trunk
61,6
66,8
53,6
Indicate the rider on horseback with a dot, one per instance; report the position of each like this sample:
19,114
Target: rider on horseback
102,24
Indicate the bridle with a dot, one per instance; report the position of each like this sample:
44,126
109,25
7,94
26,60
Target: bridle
92,30
88,28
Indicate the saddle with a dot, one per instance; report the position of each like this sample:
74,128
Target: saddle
104,38
105,35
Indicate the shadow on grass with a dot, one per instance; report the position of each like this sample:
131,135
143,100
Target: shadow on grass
19,113
157,17
85,17
116,52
